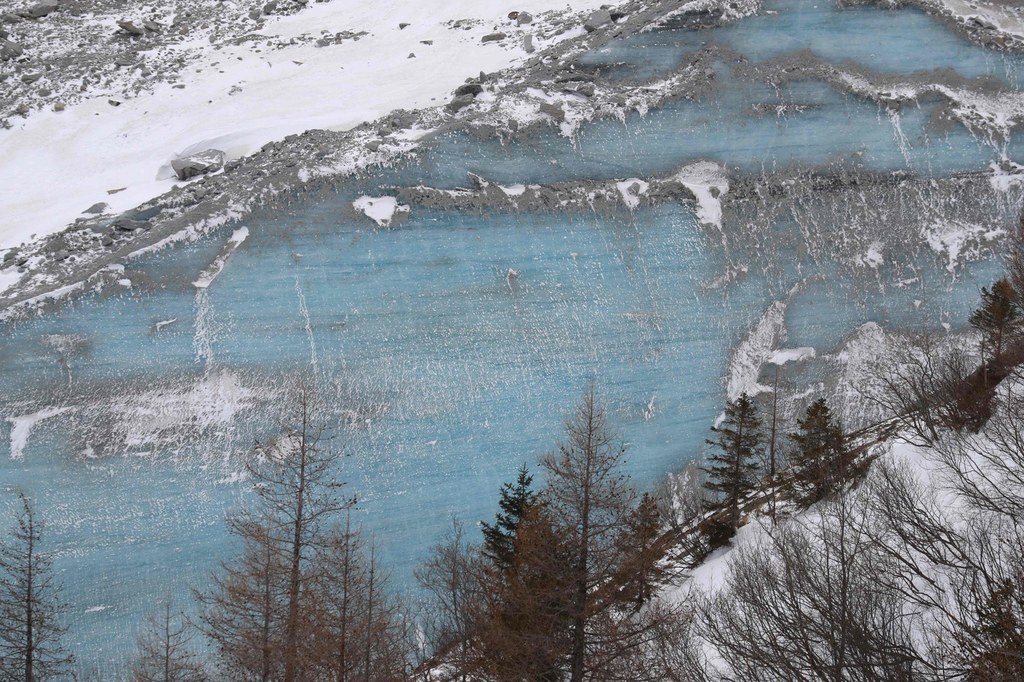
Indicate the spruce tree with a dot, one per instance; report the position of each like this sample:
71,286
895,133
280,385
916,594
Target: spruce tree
640,573
820,450
500,537
998,318
732,465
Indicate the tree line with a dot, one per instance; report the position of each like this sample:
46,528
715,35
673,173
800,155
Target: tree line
883,582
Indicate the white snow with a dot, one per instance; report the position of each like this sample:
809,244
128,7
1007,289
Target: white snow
21,428
56,164
708,182
380,210
786,355
631,191
1002,17
513,190
958,240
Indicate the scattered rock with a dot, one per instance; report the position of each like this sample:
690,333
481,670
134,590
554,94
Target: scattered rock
493,37
10,50
115,191
523,18
270,7
30,78
130,28
528,43
204,162
97,208
597,19
59,106
513,15
473,89
113,103
151,25
412,55
402,26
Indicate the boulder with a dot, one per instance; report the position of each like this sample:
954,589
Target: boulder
10,50
597,19
555,111
204,162
42,9
97,208
473,89
130,28
528,43
524,18
460,102
493,37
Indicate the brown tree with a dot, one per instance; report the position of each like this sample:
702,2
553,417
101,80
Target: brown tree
31,646
164,649
257,612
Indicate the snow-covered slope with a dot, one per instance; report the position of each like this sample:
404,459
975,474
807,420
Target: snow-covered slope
332,65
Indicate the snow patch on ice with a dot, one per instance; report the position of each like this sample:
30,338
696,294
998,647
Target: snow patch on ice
380,210
707,182
21,428
210,273
958,240
632,190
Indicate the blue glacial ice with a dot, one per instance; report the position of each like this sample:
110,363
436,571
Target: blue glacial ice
453,343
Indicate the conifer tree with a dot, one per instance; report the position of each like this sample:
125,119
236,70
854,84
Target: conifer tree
500,537
998,318
640,573
820,442
732,466
31,647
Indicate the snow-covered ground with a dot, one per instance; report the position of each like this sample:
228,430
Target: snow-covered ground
56,164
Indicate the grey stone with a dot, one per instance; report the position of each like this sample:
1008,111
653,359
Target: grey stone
270,7
151,25
585,89
553,110
524,18
597,19
130,28
204,162
29,78
493,37
460,102
402,26
97,208
10,50
128,225
42,9
473,89
528,43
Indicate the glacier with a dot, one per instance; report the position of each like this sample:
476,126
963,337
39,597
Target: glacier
823,169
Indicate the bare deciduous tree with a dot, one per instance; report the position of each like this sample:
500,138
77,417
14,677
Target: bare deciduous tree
164,648
31,634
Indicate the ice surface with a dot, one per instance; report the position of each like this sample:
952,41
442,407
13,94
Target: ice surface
454,342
